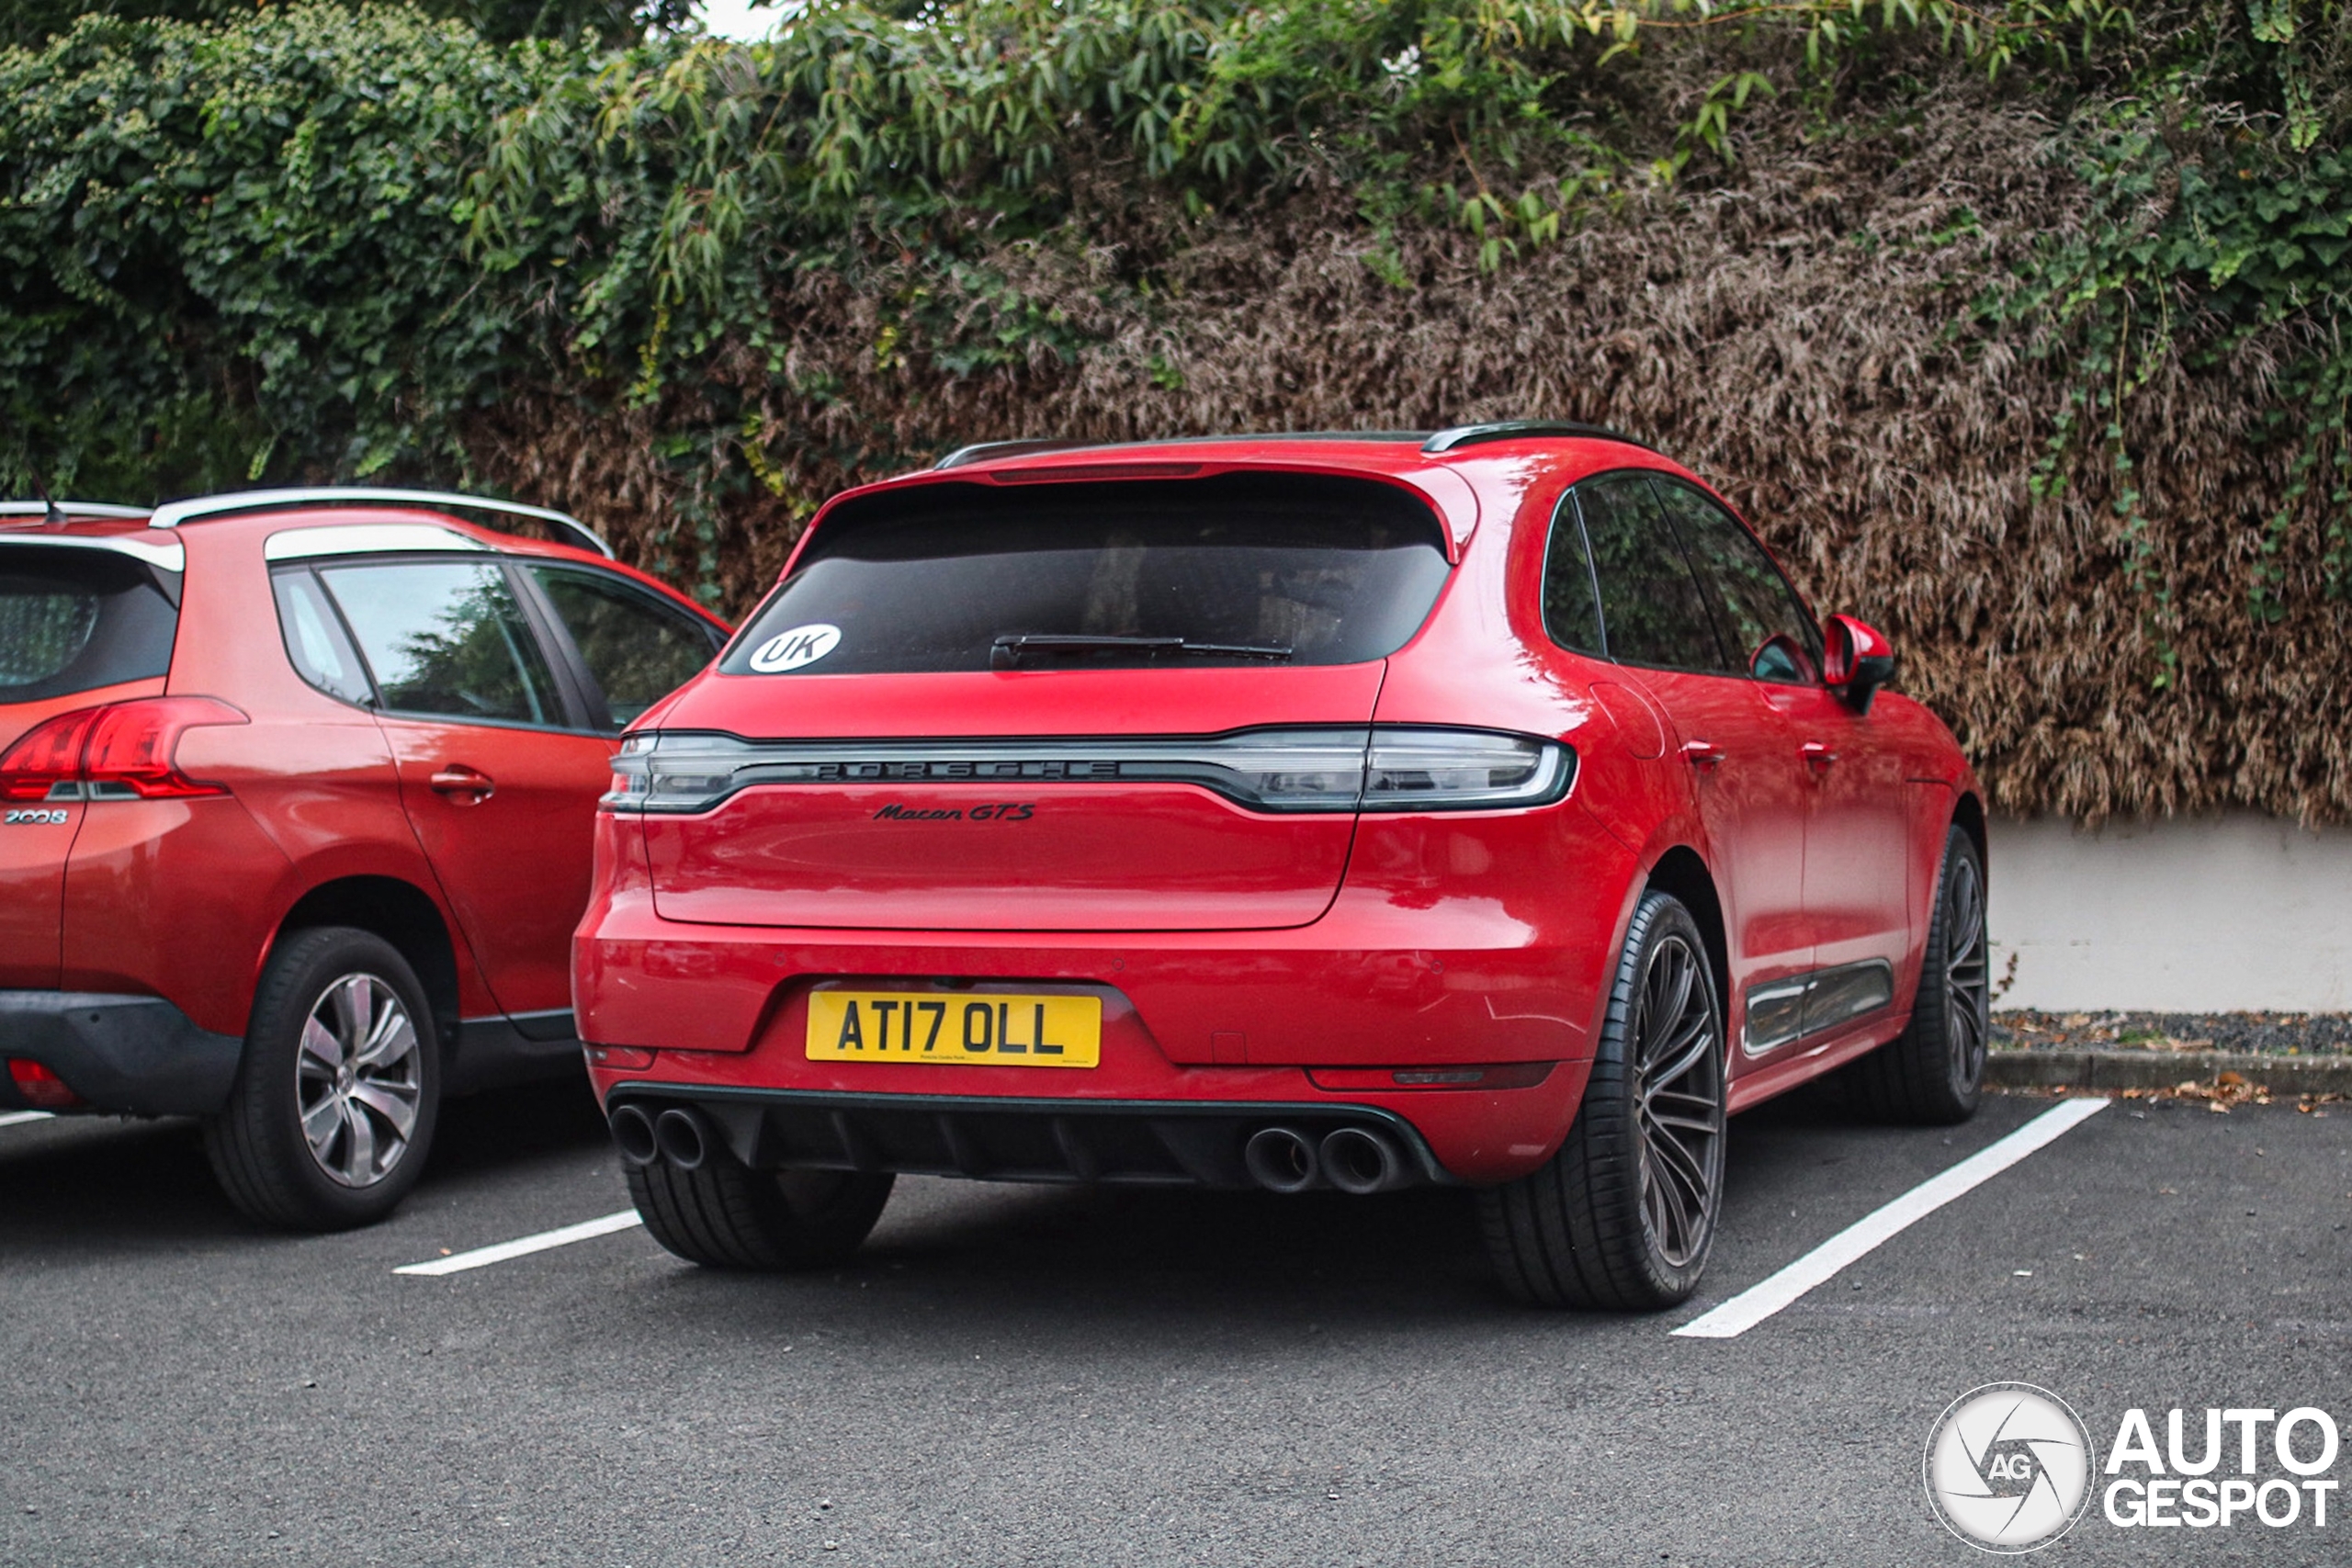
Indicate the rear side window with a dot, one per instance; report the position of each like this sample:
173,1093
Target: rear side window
1650,606
74,620
1241,569
637,649
1571,611
446,637
315,641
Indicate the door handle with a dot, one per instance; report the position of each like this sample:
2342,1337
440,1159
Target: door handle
1816,754
470,786
1701,754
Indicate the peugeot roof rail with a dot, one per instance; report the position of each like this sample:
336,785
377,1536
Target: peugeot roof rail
71,508
570,529
1514,429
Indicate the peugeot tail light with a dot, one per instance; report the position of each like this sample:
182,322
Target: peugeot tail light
46,762
119,751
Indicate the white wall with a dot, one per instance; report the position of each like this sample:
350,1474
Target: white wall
2237,913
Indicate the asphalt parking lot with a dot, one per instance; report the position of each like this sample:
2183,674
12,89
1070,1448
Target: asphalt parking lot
1013,1375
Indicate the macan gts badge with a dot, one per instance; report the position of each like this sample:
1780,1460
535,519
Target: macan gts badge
1481,809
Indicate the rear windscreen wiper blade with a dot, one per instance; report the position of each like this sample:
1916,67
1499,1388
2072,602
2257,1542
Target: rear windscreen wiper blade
1008,648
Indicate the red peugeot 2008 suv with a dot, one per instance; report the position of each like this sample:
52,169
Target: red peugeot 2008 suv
298,791
1481,809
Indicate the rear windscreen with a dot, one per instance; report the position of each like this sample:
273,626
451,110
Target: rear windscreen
74,620
1287,568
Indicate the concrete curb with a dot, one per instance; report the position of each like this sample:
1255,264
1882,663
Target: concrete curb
2042,1069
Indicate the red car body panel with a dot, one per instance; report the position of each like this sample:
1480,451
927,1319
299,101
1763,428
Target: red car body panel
181,899
1475,937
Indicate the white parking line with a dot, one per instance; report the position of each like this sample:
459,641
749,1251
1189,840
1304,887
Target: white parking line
1752,1305
584,1231
11,1118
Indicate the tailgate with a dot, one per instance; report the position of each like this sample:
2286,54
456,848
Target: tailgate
1021,803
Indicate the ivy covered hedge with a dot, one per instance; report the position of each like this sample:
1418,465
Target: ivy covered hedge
2019,326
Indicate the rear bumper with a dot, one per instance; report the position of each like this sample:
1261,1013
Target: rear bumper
1121,1143
134,1055
1147,1119
1456,941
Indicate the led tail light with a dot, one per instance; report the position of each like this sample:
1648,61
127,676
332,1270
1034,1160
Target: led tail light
1356,768
119,751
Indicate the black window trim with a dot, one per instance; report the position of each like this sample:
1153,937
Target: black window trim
536,620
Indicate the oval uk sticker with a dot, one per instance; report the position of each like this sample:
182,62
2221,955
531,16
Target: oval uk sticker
792,649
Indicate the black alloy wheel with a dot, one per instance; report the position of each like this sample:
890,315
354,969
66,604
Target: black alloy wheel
1621,1217
1933,1073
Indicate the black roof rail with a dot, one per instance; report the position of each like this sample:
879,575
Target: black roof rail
1514,429
988,451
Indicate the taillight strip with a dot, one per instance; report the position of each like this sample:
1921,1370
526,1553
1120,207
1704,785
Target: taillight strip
1305,769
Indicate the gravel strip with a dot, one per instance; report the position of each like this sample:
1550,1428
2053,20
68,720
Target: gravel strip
2222,1077
2273,1033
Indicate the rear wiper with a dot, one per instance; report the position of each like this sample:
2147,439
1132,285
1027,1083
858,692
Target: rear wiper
1008,648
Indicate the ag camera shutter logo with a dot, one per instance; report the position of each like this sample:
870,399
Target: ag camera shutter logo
2008,1468
792,649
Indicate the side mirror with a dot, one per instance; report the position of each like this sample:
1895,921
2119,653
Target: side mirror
1856,660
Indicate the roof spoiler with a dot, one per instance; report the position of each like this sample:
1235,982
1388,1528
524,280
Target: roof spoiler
569,529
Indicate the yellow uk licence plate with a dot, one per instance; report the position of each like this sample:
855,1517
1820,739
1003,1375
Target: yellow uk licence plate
982,1029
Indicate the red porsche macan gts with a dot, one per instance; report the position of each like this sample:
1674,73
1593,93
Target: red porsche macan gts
1480,808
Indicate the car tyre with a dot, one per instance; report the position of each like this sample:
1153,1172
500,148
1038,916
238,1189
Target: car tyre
1622,1216
723,1215
1933,1073
338,1089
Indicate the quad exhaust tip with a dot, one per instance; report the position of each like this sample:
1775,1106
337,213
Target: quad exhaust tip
679,1136
633,1135
1358,1160
1281,1160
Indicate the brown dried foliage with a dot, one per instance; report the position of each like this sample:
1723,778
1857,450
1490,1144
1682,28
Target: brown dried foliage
1793,332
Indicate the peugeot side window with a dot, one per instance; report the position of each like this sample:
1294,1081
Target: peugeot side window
1755,611
636,650
315,640
1651,610
446,638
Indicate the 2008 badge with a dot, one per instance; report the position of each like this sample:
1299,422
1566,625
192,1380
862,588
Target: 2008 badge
791,650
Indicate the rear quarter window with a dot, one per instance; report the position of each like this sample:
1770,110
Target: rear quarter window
1235,570
74,620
